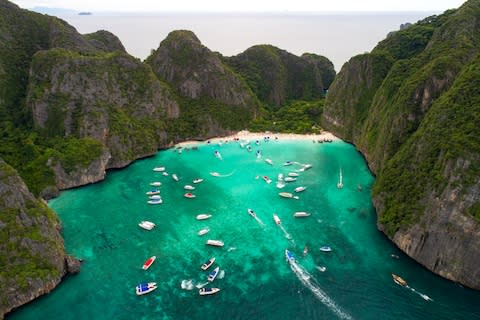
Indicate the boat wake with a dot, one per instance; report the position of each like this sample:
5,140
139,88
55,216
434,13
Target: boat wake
187,284
201,285
422,295
216,174
287,235
221,274
260,222
309,281
231,249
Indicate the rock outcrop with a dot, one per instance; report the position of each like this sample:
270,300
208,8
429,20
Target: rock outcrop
411,106
32,256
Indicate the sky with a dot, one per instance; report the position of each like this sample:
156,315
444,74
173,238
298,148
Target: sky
244,5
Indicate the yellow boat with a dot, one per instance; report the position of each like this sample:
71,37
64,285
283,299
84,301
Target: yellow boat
398,280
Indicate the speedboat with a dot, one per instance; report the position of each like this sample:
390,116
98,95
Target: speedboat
321,268
149,262
203,216
289,179
188,187
159,169
325,249
305,251
208,263
290,257
218,155
155,197
300,189
216,243
144,288
251,212
197,180
307,166
287,163
398,280
276,219
175,177
215,174
259,154
293,174
203,231
147,225
208,291
267,179
189,195
156,184
270,162
152,192
212,275
156,201
301,214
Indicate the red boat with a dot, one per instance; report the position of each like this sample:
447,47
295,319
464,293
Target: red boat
149,262
189,195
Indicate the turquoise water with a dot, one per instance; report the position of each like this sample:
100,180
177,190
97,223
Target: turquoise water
101,226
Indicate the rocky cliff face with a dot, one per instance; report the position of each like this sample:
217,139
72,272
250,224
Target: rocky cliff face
411,106
277,76
32,255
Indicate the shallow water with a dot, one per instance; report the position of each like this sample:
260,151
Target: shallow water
101,226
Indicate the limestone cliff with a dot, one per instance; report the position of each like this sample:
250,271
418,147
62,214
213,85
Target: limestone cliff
32,256
412,107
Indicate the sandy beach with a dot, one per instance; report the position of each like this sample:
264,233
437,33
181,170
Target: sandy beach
245,135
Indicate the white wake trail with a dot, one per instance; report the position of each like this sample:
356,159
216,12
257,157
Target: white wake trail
310,282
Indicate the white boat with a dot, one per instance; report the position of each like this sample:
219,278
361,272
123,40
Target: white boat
208,291
175,177
144,288
203,231
289,179
259,154
155,197
289,256
203,216
270,162
300,189
215,174
251,212
325,249
267,179
156,201
212,275
216,243
147,225
280,177
165,173
156,184
189,195
307,166
340,182
287,163
276,219
287,195
208,263
321,268
197,180
152,192
293,174
188,187
301,214
149,262
159,169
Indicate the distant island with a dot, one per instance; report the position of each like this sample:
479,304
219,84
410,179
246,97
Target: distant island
84,13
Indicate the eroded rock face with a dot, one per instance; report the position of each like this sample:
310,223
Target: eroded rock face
30,232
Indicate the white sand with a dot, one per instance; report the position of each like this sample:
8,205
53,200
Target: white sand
245,135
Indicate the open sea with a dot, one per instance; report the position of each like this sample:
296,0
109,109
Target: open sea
337,36
353,281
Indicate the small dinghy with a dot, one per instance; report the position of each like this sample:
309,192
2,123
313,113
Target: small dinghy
189,195
203,231
208,263
197,180
203,216
144,288
147,225
156,184
188,187
149,262
215,243
301,214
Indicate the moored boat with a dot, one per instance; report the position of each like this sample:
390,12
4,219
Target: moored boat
155,197
147,225
287,163
189,195
175,177
203,231
289,179
208,291
156,184
146,287
399,280
159,169
269,161
212,275
152,192
267,179
276,219
208,263
301,214
325,249
300,189
198,180
216,243
203,216
287,195
188,187
293,174
149,262
155,201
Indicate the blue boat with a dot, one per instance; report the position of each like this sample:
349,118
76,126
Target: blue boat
212,275
144,288
290,257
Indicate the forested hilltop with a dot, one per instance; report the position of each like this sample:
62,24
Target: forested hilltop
412,106
73,106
